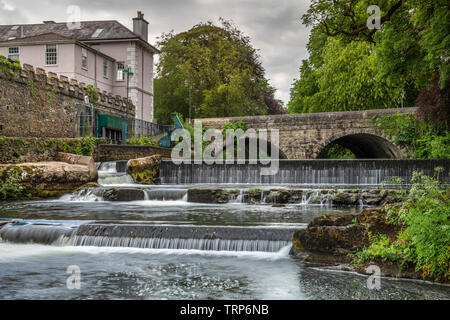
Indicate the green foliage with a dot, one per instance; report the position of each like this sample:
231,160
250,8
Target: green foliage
10,187
426,141
8,68
380,247
351,67
92,94
215,68
336,151
86,146
425,236
12,149
234,126
142,141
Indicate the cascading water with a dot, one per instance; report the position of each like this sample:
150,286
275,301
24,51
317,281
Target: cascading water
150,236
113,173
173,249
304,172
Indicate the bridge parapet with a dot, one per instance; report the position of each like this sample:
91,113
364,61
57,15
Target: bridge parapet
303,136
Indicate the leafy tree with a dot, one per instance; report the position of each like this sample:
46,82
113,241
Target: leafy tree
215,68
344,82
398,60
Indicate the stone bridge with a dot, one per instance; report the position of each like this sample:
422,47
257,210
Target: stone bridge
304,136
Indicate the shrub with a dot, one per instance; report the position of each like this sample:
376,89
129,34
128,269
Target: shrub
142,141
424,139
10,188
424,239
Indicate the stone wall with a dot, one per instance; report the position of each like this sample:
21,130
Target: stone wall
107,152
303,136
39,104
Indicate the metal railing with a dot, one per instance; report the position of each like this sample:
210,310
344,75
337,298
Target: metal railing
86,124
141,128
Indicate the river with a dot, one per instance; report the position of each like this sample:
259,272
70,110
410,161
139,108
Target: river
165,248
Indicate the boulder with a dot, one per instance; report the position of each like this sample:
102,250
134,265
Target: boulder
144,170
345,197
211,195
124,194
80,160
51,178
332,239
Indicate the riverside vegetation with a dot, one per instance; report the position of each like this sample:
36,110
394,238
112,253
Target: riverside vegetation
17,178
424,236
410,238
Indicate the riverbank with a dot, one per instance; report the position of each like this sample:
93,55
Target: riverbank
409,239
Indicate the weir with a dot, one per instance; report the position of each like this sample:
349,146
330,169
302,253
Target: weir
218,238
304,172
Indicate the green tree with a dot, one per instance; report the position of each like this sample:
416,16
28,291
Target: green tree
215,68
345,81
397,60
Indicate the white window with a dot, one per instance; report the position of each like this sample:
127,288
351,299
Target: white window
97,33
51,55
120,73
13,53
84,57
105,68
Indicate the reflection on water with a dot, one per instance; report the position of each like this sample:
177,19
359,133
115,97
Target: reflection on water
176,211
35,271
39,272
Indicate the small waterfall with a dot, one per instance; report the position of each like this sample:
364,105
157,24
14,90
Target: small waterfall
114,178
88,195
107,166
113,173
240,197
34,233
266,239
187,244
165,194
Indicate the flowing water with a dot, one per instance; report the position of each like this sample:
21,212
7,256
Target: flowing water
166,248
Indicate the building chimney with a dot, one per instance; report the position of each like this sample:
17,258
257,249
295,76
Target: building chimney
140,26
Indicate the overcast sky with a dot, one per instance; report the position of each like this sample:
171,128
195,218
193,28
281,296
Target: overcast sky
273,25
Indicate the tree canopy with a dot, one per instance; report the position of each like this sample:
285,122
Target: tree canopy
354,67
216,69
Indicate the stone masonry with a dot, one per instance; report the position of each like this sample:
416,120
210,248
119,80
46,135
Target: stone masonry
37,104
303,136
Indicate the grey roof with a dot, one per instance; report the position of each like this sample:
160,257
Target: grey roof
112,30
51,36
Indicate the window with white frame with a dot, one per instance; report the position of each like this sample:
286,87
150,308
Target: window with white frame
105,68
84,58
13,53
120,73
51,55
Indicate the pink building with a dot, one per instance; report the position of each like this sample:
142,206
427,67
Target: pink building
95,52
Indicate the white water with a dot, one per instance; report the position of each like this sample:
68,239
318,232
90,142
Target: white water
13,251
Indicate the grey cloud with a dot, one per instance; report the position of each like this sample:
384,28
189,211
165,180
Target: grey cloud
273,25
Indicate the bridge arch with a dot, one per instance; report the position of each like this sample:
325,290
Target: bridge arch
270,146
366,146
